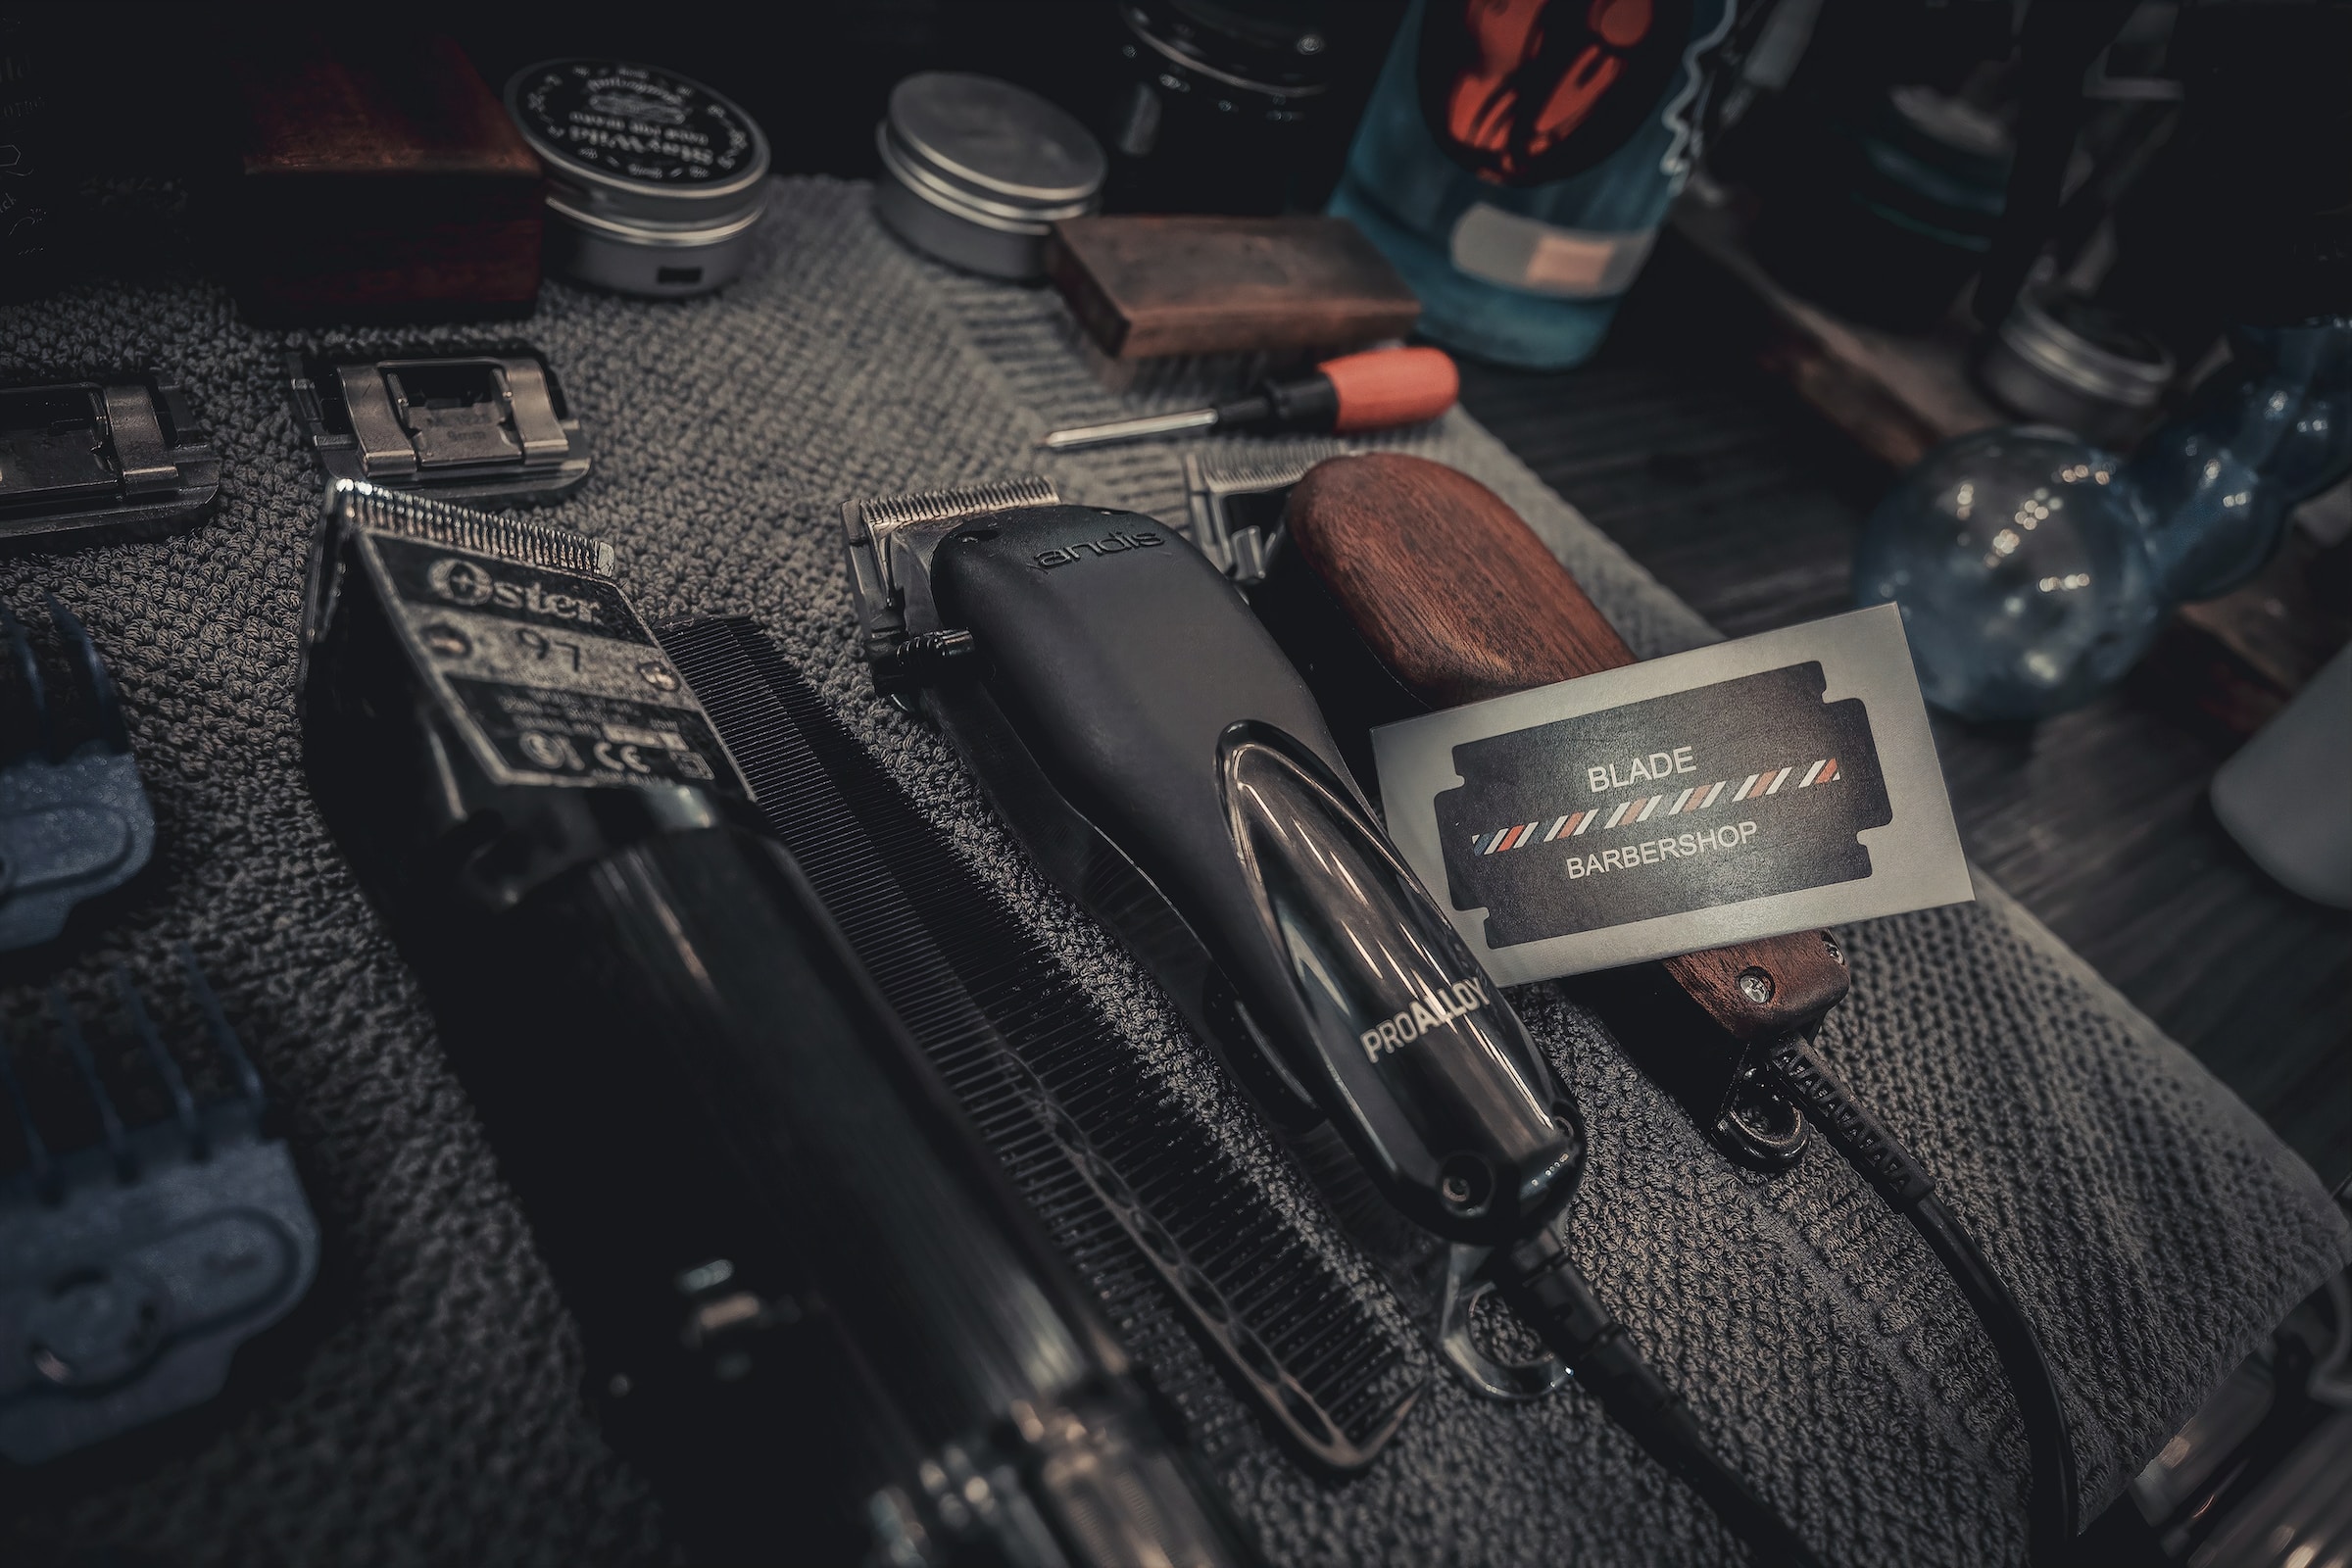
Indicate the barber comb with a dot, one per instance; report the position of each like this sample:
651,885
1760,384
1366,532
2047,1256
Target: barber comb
74,820
134,1263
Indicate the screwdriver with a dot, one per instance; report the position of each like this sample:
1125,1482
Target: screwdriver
1370,391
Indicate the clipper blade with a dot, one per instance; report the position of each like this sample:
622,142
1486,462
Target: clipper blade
1234,504
439,522
885,513
870,527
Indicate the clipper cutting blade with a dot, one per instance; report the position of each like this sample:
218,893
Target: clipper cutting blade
1234,504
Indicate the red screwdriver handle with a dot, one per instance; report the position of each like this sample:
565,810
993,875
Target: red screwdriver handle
1388,387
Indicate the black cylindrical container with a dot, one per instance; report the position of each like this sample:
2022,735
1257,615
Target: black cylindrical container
1218,114
1894,209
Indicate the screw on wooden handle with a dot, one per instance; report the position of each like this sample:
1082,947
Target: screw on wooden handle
1461,602
1388,387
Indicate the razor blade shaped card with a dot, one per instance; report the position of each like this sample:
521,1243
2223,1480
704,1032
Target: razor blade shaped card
1774,784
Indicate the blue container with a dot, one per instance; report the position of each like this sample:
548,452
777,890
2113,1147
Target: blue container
1518,157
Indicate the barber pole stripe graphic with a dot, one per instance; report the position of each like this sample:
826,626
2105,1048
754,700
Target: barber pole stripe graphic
1641,807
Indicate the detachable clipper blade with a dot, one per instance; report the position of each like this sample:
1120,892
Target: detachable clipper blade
482,427
120,457
1234,505
74,820
130,1271
889,540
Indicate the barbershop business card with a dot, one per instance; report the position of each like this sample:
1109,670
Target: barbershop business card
1773,784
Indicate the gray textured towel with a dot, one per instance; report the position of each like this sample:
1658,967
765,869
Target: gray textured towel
2153,1227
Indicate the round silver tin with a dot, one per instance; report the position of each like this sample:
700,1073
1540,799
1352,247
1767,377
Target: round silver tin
2067,363
976,171
655,182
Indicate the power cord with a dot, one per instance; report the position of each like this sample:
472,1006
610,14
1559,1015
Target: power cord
2054,1499
1551,1295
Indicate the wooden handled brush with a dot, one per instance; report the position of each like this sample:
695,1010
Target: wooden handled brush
1460,601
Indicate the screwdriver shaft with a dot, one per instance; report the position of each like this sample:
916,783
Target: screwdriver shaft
1094,435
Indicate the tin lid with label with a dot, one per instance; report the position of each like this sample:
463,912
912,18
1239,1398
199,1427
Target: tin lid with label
636,143
990,151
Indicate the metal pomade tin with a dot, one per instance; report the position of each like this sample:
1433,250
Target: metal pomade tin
977,172
654,181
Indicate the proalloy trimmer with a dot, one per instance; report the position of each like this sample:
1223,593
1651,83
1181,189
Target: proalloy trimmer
1144,738
1386,587
807,1291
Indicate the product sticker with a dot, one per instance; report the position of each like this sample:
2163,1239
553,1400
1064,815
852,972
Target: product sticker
550,673
1778,783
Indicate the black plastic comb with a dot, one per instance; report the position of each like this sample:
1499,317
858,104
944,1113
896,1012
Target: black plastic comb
74,820
1129,1189
132,1268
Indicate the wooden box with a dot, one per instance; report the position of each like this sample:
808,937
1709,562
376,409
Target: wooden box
1146,287
376,181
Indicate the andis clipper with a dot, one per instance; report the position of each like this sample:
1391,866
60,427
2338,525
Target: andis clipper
1144,738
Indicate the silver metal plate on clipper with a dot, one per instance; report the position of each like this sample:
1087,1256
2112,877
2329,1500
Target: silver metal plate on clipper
459,427
536,654
81,460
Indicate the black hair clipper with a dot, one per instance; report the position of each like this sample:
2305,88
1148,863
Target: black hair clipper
1144,738
809,1293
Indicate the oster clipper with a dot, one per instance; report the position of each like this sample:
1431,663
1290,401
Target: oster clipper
802,1280
1142,735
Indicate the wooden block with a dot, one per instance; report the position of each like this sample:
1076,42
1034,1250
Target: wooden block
1151,286
381,180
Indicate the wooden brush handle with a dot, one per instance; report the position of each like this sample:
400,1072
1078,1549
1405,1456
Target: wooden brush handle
1461,602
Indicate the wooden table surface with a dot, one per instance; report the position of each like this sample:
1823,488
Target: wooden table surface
1739,497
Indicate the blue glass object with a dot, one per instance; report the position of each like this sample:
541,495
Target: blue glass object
1517,157
2020,564
2271,429
2032,569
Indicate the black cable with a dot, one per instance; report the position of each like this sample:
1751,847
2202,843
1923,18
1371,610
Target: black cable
2054,1500
1536,1279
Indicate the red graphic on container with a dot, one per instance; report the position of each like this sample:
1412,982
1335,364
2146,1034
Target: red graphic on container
1526,91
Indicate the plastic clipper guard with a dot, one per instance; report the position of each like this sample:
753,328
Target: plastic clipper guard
133,1267
74,820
